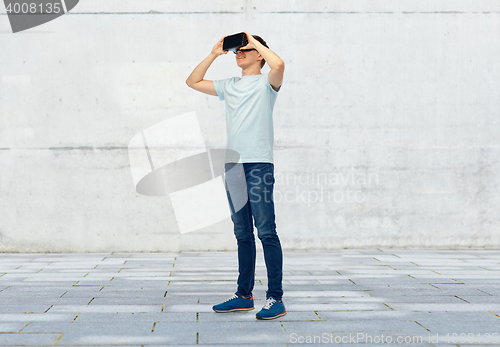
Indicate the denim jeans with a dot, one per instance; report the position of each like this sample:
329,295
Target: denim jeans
254,182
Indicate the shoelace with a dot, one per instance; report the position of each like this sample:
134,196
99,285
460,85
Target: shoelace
269,303
231,298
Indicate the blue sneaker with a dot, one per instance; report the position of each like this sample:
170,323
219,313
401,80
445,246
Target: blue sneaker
272,309
235,303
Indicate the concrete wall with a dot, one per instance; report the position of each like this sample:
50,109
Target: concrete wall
386,127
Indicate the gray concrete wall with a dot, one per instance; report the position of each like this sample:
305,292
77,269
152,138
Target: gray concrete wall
386,127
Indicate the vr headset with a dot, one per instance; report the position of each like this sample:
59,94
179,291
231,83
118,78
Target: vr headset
234,42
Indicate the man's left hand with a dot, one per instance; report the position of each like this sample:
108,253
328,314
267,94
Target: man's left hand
251,41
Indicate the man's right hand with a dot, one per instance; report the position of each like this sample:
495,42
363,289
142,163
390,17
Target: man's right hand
217,50
196,81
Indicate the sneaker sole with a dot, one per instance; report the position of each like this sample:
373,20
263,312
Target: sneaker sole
277,316
234,309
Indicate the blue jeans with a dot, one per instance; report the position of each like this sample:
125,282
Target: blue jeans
249,188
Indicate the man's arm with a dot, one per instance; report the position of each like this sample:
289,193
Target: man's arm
196,81
276,64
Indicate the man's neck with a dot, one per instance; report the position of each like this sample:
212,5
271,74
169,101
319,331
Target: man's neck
250,71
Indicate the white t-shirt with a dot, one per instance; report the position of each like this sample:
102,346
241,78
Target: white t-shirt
249,117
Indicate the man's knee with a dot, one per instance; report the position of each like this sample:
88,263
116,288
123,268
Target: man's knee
267,232
243,232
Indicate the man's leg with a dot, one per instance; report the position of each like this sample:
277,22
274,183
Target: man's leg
260,183
236,188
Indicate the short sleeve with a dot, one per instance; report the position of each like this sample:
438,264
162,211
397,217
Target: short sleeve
220,88
270,87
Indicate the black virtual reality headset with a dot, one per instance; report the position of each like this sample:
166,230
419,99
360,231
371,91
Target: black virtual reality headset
234,42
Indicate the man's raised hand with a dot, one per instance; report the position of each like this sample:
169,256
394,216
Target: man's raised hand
217,50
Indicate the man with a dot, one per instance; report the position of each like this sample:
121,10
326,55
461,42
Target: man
249,103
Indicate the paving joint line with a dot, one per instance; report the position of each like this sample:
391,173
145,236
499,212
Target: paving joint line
368,293
484,292
482,267
422,325
461,299
281,323
24,327
55,343
388,306
75,317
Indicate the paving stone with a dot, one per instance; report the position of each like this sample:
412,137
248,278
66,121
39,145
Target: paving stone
459,307
24,308
75,338
336,307
151,317
119,298
323,287
188,308
219,345
36,317
461,327
26,339
144,300
106,308
431,292
366,314
484,299
449,299
47,301
242,332
356,328
443,316
88,328
11,327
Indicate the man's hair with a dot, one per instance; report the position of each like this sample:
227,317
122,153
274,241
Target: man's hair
261,40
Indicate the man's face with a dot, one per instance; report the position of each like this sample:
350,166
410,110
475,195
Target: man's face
246,59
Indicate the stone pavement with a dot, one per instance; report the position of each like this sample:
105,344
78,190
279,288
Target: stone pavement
365,297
